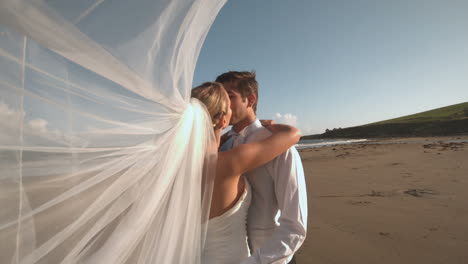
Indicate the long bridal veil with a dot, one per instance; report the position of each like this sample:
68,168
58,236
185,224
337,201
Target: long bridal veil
104,157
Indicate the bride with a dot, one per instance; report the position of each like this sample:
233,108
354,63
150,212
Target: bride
104,156
227,237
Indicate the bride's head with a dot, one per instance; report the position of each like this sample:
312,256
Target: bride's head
216,100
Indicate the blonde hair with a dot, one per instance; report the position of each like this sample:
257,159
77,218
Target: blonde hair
213,95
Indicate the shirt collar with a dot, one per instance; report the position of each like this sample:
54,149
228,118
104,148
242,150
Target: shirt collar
247,130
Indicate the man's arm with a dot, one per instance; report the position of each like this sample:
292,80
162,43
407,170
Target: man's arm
290,190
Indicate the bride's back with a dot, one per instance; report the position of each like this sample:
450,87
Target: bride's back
226,240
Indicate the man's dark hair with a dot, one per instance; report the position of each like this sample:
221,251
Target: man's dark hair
245,83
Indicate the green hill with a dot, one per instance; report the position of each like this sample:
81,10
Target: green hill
452,112
444,121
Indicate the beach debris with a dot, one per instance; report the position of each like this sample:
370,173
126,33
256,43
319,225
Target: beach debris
445,146
331,196
359,202
376,194
420,192
343,155
386,234
373,193
407,174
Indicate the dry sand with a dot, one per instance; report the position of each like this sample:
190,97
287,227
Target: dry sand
387,203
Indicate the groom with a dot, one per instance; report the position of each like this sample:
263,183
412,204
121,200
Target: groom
278,187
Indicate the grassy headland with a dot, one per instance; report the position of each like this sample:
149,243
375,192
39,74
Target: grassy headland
444,121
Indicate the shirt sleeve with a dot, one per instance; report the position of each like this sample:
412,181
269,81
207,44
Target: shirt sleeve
290,190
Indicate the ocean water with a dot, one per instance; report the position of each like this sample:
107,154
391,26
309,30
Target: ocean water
317,143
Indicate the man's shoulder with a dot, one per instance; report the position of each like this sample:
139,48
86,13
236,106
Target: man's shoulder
259,133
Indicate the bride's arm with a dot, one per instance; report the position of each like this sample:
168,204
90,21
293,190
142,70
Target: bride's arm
246,157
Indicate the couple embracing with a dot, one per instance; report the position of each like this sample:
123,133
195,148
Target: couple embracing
259,206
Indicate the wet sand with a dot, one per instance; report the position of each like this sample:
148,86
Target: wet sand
387,203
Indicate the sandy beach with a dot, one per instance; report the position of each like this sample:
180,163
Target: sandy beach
392,201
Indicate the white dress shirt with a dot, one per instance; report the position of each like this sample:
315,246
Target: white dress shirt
277,186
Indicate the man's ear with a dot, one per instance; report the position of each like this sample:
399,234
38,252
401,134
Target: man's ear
252,99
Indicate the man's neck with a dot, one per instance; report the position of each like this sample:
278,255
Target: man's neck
244,123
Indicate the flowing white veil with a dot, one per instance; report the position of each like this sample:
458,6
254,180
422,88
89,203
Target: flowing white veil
104,157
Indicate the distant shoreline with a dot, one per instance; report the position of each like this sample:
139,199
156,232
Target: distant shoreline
320,143
400,130
436,123
446,121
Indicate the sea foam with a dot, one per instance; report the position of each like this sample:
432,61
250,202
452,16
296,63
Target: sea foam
304,144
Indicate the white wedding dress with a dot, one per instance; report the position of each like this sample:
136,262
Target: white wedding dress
226,240
104,157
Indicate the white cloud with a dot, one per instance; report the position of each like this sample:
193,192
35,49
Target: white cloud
304,127
9,119
37,130
288,119
39,125
6,112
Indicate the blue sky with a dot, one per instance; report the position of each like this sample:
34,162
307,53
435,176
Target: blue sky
340,63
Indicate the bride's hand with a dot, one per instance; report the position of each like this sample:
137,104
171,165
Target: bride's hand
267,123
275,128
